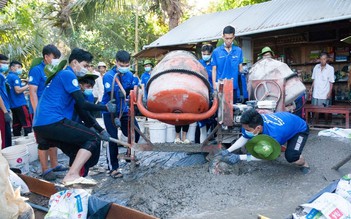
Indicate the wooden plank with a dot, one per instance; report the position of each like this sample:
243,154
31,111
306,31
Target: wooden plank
119,212
39,186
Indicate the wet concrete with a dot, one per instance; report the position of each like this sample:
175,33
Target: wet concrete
179,185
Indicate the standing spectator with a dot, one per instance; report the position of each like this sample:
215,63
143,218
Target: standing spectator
5,117
98,89
323,79
37,78
226,60
205,125
243,94
206,54
145,77
183,139
18,103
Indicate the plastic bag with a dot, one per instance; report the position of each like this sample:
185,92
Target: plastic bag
68,204
344,187
327,206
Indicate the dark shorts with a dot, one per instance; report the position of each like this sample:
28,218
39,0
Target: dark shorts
69,136
295,146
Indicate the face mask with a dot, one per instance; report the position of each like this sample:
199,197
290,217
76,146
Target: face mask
147,69
206,57
19,71
4,67
55,62
123,70
250,134
88,92
83,71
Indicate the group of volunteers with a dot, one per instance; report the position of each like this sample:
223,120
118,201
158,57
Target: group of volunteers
63,109
65,103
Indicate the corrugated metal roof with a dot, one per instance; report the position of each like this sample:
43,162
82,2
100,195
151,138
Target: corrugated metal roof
253,19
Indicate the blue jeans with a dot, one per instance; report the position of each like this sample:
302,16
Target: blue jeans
112,150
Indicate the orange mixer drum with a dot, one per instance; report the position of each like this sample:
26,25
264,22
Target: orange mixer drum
178,84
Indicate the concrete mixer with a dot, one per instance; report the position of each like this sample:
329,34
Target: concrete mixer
274,85
178,93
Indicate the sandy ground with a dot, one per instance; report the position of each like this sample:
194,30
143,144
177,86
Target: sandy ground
179,185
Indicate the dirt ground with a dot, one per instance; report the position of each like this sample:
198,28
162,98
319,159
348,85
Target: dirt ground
179,185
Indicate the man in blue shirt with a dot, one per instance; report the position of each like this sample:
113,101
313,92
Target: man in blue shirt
242,92
145,77
36,83
284,127
5,117
53,124
226,60
206,53
18,103
117,84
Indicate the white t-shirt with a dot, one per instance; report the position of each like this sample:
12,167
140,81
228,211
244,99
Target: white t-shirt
98,89
322,79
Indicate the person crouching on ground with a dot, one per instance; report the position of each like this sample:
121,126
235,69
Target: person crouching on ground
281,126
53,124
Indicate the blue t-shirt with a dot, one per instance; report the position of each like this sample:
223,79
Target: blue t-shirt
145,77
127,83
37,77
3,92
16,100
281,126
243,90
227,63
57,103
208,67
88,98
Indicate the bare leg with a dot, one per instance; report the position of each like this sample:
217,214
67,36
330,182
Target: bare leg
53,157
43,158
82,157
301,162
177,135
183,136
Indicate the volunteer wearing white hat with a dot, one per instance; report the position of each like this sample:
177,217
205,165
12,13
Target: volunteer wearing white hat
98,89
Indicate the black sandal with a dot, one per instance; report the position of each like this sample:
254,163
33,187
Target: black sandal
116,174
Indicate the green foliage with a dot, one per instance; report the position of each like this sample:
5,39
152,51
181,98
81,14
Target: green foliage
231,4
22,32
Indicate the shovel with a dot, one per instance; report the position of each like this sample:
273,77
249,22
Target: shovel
125,144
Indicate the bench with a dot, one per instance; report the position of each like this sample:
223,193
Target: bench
336,109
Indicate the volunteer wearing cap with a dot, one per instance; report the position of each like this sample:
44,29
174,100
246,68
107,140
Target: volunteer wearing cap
18,103
283,127
118,82
98,89
5,117
145,77
53,124
266,52
226,60
36,83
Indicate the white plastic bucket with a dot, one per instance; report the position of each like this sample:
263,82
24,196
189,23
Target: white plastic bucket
191,133
203,134
141,123
157,132
170,133
18,157
24,140
33,151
